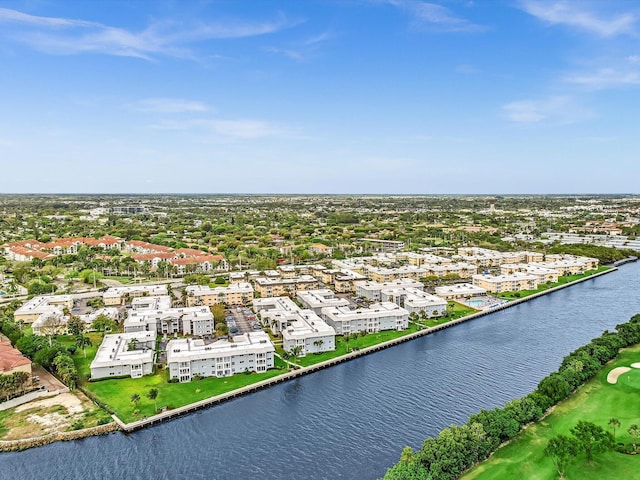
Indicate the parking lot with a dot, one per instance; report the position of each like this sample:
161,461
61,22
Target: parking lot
242,319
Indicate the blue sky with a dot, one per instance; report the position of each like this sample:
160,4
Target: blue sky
326,96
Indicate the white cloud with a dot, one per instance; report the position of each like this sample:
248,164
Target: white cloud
557,110
605,78
167,105
466,69
577,14
433,16
237,129
69,36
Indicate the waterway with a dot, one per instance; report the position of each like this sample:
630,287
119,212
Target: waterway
351,421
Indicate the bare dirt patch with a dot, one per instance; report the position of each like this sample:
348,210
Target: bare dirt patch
613,375
48,415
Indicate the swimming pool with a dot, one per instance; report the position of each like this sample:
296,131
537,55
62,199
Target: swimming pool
475,303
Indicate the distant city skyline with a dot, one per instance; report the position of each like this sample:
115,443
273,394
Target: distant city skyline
320,97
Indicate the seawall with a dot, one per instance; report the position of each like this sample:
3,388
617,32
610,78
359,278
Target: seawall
169,414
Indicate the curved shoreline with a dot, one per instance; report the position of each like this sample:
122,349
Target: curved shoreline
211,401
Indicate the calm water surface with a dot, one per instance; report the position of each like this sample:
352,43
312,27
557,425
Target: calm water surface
352,420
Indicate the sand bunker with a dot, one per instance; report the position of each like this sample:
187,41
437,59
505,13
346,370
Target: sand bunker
612,378
635,365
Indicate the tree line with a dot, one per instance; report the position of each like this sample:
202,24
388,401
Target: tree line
457,448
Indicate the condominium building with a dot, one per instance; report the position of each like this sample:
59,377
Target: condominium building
414,300
276,312
187,357
309,333
543,274
460,291
316,300
124,354
42,306
373,290
384,274
378,317
275,287
234,294
186,320
514,282
118,295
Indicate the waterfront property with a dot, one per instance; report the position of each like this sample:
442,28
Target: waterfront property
460,291
11,359
514,282
373,290
378,317
414,300
124,354
188,357
299,328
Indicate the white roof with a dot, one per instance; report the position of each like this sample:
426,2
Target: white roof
114,349
188,349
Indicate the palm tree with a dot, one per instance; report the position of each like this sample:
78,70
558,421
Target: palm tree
295,352
153,395
634,431
135,398
83,342
318,343
614,422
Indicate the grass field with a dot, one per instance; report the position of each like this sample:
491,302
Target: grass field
597,402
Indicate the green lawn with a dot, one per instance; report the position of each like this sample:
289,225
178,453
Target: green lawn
546,286
123,280
117,392
596,402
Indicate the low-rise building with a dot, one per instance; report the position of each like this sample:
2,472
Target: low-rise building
378,317
42,307
543,274
12,360
187,357
373,290
185,320
515,282
309,333
118,295
316,300
460,291
414,300
276,287
124,354
233,294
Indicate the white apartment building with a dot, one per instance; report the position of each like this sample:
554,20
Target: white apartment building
514,282
544,274
117,295
459,291
251,352
124,354
378,317
186,320
415,300
316,300
151,303
373,290
42,307
276,312
309,332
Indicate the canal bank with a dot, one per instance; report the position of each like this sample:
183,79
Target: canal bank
354,419
301,371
